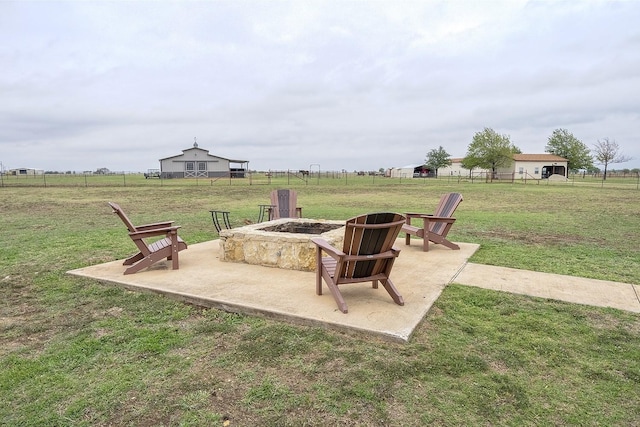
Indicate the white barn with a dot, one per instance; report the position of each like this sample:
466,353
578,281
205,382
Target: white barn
198,163
537,166
25,172
409,171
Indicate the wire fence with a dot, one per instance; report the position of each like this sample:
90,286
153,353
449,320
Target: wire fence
300,177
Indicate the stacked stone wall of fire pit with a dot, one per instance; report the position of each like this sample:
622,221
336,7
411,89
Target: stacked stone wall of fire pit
283,243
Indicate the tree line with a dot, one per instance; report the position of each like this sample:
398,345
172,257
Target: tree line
491,150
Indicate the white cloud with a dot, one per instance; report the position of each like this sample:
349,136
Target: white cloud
347,84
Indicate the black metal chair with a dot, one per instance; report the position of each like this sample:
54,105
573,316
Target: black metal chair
215,216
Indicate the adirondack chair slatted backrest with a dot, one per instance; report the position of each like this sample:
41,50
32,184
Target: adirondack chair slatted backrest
285,203
368,235
447,206
125,219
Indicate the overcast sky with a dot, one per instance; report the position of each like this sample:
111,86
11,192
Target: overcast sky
356,85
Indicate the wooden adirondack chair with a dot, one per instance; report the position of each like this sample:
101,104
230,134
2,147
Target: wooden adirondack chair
284,204
436,226
150,253
367,255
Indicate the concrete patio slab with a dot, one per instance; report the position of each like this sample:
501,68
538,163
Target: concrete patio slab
290,295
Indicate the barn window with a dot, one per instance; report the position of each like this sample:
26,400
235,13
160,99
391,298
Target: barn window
202,166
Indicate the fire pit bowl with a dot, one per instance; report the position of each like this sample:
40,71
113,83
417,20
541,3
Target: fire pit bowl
282,243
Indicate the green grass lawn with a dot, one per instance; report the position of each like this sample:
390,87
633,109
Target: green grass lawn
77,352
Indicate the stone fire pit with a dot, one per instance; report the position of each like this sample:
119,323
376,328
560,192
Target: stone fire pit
282,243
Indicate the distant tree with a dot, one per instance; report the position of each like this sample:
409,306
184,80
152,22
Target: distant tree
490,150
102,171
562,143
594,170
470,163
607,152
437,158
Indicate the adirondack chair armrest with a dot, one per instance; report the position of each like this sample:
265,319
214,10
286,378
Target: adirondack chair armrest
416,214
432,218
155,232
154,226
410,215
326,246
441,219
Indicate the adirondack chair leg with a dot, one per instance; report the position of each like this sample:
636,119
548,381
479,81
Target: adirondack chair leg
325,271
337,296
134,268
133,259
391,289
374,284
174,251
418,232
449,244
319,269
147,261
151,259
425,236
407,237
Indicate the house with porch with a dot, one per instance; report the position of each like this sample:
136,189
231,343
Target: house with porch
524,166
196,162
